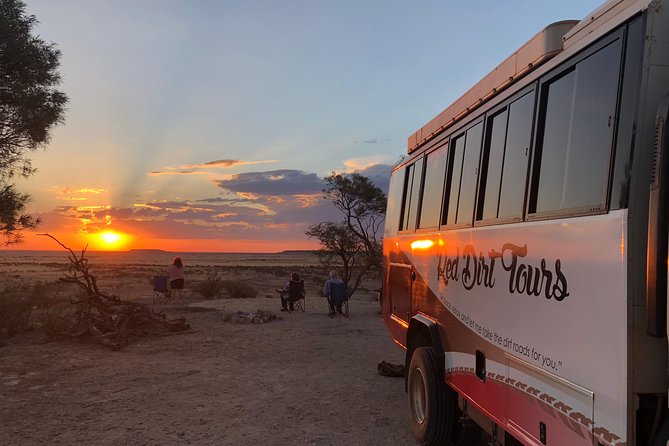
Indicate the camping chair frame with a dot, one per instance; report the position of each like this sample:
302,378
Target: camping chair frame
339,296
296,296
161,291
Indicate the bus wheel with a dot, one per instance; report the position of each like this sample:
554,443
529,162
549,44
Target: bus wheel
430,411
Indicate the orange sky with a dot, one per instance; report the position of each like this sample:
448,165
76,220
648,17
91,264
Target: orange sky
116,241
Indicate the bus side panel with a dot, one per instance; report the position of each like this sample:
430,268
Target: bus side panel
396,303
549,316
396,292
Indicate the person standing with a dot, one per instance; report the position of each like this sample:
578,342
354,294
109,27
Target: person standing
177,276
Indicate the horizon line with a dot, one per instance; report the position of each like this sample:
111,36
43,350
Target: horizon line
161,250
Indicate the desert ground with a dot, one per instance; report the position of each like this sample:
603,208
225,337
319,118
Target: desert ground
304,379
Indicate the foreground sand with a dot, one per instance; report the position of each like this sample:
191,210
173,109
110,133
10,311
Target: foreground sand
303,380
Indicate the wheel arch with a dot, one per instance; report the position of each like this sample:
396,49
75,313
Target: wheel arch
424,332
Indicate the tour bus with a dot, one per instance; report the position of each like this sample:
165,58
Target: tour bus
525,246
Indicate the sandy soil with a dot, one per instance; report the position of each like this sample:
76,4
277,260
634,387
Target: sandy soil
305,379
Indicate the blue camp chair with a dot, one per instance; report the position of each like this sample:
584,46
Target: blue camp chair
161,293
338,298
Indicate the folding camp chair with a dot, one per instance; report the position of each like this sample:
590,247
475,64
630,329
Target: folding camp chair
296,295
161,293
338,298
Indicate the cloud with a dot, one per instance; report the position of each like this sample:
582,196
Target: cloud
373,167
273,205
172,171
379,174
196,169
261,217
226,164
371,141
274,183
75,194
88,191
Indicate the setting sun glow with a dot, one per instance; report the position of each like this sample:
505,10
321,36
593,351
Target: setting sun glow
111,240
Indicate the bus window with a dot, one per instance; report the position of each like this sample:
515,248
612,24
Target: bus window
394,208
574,138
456,153
504,164
491,166
628,110
469,175
516,155
406,202
433,188
462,177
411,194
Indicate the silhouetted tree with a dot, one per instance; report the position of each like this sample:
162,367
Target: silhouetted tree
339,245
356,241
30,106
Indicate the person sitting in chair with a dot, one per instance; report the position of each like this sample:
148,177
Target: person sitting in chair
327,291
287,298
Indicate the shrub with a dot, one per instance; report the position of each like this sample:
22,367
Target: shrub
212,287
215,287
17,302
15,309
239,290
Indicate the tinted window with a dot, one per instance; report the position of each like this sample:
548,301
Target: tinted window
456,155
408,181
394,203
514,175
628,108
415,191
556,139
469,176
574,145
491,167
433,188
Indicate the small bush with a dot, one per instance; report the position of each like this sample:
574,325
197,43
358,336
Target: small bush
22,304
215,287
239,290
212,287
15,309
17,302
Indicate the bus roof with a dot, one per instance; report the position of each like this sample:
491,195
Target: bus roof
543,46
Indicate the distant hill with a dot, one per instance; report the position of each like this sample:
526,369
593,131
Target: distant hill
148,251
297,251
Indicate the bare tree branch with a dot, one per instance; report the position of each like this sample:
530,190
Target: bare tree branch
104,317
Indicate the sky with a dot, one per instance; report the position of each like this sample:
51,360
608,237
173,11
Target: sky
210,125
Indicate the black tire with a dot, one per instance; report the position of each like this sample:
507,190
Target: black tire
433,406
429,408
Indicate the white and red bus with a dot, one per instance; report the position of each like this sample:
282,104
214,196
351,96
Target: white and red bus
526,243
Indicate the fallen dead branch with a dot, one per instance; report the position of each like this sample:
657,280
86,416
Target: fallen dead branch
107,318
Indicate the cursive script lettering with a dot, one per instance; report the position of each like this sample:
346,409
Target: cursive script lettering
524,278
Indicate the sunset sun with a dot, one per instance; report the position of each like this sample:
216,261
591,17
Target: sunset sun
111,240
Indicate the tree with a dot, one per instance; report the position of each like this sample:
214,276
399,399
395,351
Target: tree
30,107
356,241
338,243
